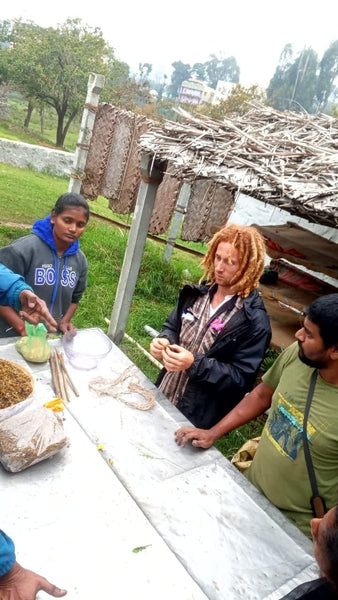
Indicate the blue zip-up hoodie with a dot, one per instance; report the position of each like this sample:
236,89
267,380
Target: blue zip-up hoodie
59,280
7,553
44,229
11,285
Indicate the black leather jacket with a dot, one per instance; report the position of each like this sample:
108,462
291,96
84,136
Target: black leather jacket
220,378
319,589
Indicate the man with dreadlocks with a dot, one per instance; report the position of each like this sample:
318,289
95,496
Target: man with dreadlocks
213,343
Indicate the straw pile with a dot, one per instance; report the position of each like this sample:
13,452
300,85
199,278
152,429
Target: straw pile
287,159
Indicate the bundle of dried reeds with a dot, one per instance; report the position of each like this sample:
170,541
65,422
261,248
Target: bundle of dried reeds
285,158
61,379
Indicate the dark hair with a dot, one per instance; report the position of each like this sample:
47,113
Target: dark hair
71,199
330,548
323,312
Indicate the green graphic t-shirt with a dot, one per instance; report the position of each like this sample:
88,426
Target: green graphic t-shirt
279,468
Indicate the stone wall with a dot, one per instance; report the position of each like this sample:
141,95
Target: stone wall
19,154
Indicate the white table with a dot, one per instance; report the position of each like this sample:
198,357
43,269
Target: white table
209,533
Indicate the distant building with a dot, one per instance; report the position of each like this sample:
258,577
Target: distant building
222,91
193,91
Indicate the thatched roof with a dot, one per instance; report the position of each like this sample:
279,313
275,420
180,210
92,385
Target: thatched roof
285,158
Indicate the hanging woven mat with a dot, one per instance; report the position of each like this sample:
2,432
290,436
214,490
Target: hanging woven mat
109,387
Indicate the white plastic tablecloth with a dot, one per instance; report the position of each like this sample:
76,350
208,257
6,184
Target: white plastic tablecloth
207,531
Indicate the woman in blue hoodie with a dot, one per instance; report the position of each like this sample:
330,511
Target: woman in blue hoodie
51,262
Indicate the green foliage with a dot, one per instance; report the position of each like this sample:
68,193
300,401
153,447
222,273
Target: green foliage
36,133
221,69
293,86
214,70
181,72
327,75
300,82
237,103
144,70
230,443
270,356
52,65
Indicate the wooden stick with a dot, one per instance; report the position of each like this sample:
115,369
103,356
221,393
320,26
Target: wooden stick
147,354
55,382
64,380
59,375
71,383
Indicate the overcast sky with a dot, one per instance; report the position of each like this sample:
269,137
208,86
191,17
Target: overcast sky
254,32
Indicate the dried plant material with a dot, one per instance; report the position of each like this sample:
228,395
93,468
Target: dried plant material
165,202
16,383
29,437
208,209
284,158
114,387
113,161
99,149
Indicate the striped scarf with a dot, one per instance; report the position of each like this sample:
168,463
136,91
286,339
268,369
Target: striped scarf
198,333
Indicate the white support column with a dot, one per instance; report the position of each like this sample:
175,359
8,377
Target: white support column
94,89
151,177
180,210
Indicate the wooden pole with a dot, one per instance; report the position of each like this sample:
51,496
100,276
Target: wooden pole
151,176
94,89
152,359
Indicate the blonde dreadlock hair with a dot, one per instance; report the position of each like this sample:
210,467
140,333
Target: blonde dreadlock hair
251,249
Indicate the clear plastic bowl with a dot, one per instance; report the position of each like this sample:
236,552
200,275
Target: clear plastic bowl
86,347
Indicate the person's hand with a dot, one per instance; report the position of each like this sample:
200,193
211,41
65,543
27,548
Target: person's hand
157,346
22,584
200,438
66,327
34,310
176,358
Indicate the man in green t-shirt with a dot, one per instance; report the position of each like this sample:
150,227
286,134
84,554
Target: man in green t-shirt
279,468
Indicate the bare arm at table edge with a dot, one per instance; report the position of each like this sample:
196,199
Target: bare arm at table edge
253,404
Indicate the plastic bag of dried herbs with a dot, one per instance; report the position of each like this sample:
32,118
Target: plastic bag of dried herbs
29,437
34,346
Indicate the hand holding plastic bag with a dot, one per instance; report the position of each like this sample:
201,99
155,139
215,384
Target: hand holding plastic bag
34,346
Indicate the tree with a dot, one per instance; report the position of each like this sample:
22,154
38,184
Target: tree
304,75
198,71
327,75
5,32
294,84
52,65
144,70
221,69
180,73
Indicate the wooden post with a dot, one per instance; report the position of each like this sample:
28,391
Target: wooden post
94,89
179,212
151,177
